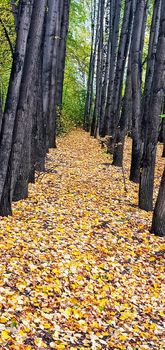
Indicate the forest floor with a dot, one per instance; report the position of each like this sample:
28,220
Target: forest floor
78,266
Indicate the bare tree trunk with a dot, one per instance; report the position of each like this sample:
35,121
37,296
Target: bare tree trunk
136,91
154,32
49,44
14,90
51,131
158,222
96,113
126,115
153,121
61,64
33,45
119,73
116,10
102,130
89,94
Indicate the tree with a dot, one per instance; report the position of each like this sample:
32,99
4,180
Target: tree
122,56
99,67
136,90
153,121
12,139
158,222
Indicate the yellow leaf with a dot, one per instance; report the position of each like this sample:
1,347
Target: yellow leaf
68,311
161,313
5,335
21,332
3,319
126,315
47,325
122,336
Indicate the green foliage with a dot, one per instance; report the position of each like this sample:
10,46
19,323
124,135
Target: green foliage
77,62
5,52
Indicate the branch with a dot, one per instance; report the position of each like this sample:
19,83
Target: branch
7,37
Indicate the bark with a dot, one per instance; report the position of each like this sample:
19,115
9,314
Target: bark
35,110
21,186
126,116
154,32
158,222
62,53
93,65
49,43
51,126
102,130
89,94
136,91
153,121
119,73
33,45
14,91
96,113
116,10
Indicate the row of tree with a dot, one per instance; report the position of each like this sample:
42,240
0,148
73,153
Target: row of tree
125,90
34,97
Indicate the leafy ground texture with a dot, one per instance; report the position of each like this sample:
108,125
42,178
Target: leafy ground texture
78,266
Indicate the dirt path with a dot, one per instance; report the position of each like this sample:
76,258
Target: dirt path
78,267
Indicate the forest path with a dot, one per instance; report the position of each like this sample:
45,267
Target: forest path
78,267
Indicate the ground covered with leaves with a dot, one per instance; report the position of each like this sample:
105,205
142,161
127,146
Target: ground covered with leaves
78,266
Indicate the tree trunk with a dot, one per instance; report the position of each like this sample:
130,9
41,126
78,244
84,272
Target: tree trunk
49,43
61,59
153,121
14,90
96,113
154,32
89,94
102,130
51,131
119,73
116,10
33,45
126,115
136,91
158,222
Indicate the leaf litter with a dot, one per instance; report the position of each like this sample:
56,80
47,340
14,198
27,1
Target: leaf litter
79,268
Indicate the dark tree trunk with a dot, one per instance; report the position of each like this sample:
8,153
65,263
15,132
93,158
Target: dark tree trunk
51,132
136,91
89,94
102,130
33,45
119,73
51,37
26,165
96,113
14,90
154,32
153,121
38,140
158,222
126,112
126,116
116,11
62,53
